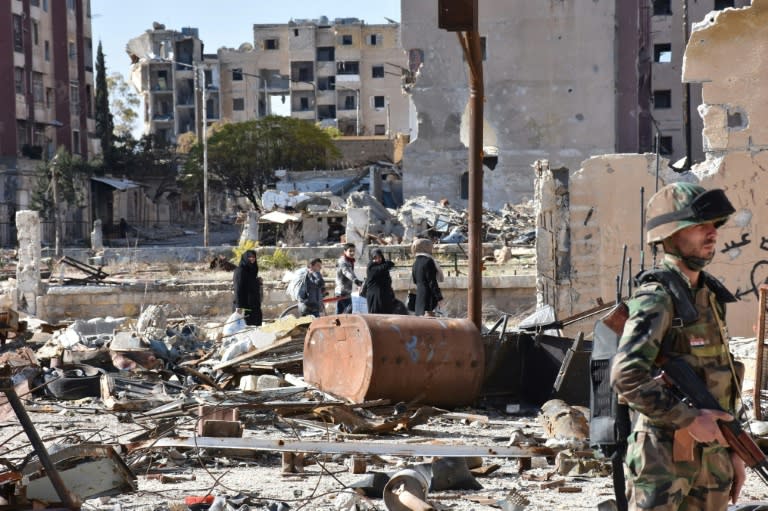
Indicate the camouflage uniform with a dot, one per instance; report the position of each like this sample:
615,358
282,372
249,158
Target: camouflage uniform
655,478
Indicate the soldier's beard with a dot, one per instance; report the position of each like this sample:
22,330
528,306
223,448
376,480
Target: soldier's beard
693,263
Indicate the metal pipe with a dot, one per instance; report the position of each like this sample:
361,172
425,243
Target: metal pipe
71,500
476,98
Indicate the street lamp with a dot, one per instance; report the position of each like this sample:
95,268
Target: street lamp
200,86
314,93
266,95
357,106
54,164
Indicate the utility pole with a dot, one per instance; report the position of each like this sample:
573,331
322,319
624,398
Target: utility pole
461,16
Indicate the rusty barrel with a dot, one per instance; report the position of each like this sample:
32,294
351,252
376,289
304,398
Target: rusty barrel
438,361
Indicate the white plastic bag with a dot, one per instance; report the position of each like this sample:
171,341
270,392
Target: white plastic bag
359,304
234,324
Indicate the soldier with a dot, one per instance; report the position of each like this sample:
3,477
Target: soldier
677,457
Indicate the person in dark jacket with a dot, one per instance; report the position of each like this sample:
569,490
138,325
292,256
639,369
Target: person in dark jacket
345,278
248,288
426,273
377,288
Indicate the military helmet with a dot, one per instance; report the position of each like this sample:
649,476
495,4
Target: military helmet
680,205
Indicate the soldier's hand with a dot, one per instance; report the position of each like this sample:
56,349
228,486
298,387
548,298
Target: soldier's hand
739,476
704,427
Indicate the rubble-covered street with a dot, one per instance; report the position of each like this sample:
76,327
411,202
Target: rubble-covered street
159,412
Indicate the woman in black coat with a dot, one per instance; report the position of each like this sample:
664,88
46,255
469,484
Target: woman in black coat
377,289
425,274
248,288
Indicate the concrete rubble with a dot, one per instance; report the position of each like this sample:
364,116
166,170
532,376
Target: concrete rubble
242,388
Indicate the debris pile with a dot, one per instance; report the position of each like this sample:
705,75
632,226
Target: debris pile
421,217
203,396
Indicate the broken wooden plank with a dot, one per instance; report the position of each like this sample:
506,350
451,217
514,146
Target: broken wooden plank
311,446
468,417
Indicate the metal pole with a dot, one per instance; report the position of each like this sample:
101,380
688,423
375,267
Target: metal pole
56,214
686,93
386,131
71,500
314,93
267,106
475,60
205,157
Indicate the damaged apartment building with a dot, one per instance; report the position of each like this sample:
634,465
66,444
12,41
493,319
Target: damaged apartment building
343,73
47,100
563,81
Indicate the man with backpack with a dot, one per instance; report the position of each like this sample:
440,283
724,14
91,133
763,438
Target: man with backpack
676,456
312,290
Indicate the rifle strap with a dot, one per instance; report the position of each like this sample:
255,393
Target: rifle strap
725,338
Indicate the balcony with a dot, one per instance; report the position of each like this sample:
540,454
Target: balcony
347,80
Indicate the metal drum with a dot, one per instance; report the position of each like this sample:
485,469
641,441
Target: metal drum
438,361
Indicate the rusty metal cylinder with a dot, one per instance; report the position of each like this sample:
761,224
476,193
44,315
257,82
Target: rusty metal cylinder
438,361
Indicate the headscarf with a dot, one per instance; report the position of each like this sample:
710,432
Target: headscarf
422,247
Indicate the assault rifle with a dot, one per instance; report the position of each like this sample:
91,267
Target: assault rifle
684,381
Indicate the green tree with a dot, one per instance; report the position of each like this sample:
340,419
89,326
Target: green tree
124,104
104,122
244,156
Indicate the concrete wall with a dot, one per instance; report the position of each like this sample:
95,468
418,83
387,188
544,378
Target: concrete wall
602,204
512,294
357,151
725,54
584,218
549,87
510,290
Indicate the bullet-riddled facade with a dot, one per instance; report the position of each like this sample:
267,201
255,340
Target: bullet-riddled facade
169,70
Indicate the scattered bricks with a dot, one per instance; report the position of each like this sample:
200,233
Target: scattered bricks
552,484
293,463
221,429
357,464
219,422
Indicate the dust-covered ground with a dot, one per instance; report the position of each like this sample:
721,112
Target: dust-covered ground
166,476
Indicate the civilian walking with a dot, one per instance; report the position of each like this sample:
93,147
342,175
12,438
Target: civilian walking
345,278
426,274
377,289
312,290
248,288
